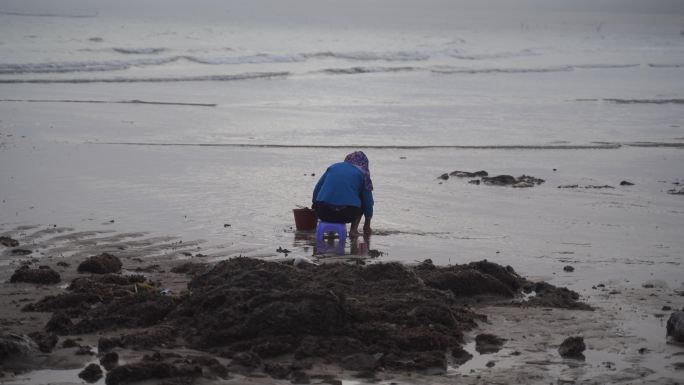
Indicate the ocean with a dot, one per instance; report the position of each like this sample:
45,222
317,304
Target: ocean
211,121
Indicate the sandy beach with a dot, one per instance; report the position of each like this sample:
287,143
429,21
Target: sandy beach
527,163
623,326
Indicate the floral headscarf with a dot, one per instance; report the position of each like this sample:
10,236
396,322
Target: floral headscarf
360,161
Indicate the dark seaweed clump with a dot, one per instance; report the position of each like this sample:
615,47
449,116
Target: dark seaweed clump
258,313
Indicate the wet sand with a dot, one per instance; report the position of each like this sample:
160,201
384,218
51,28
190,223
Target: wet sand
624,334
204,205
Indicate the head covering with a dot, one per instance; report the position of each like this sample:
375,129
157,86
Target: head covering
360,161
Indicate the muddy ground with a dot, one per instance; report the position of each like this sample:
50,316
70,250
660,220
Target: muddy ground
248,320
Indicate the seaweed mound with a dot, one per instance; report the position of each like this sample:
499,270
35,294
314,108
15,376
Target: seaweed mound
101,264
333,311
259,313
43,275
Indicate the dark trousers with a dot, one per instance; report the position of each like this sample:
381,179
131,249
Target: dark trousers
336,214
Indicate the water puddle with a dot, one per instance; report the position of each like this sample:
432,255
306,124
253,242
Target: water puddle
50,377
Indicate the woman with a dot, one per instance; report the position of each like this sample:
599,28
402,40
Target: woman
345,192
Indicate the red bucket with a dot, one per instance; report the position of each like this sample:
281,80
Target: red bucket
305,219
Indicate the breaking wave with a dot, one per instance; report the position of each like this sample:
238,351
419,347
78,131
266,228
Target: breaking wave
365,70
73,16
139,51
655,144
676,65
372,56
80,66
490,56
262,58
92,101
217,78
563,68
635,101
601,66
448,71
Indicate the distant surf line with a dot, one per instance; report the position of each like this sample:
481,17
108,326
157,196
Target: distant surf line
598,146
635,101
244,76
133,101
6,13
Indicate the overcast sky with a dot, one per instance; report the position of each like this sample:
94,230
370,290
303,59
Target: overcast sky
164,6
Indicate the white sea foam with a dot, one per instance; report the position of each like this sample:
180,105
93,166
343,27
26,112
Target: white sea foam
139,51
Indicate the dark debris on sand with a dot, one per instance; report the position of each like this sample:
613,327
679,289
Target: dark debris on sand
8,242
572,347
101,264
255,313
498,180
488,343
91,373
43,275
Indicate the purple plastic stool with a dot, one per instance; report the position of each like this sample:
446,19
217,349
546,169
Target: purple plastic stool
327,227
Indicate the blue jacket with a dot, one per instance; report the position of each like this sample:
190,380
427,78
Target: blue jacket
342,184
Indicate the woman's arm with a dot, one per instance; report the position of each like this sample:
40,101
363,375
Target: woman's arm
367,204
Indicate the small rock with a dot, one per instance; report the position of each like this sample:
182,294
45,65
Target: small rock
21,252
108,343
8,242
91,373
666,308
475,182
572,347
499,180
460,356
488,343
85,351
568,269
678,366
466,174
15,345
38,276
490,364
626,183
675,326
45,341
444,176
110,360
648,286
101,264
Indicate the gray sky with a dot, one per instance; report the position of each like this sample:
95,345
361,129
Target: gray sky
317,6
